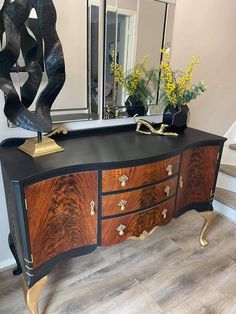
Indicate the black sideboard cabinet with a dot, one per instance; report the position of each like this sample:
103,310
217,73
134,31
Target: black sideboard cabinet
109,185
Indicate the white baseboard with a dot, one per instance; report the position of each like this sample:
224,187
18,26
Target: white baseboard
7,263
225,210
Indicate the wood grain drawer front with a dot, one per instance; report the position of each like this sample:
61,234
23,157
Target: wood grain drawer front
61,214
119,229
129,201
197,175
125,178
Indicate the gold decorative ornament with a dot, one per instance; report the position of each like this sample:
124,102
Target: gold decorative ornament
122,204
152,130
164,213
40,146
169,170
121,229
167,190
123,180
208,219
181,182
92,208
31,295
143,236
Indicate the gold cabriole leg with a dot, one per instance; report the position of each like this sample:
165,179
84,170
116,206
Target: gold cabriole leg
32,294
209,217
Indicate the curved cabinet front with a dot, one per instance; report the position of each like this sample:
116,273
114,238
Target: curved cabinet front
126,178
116,230
197,176
62,214
125,202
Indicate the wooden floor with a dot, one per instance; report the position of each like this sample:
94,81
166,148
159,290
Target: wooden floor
167,273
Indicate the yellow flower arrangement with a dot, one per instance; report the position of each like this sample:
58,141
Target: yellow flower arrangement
175,86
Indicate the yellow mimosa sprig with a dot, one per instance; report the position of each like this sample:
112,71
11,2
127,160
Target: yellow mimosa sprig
176,87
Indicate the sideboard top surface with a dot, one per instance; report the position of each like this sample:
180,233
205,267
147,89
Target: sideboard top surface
113,149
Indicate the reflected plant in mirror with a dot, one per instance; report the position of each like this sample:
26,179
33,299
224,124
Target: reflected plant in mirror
139,84
134,29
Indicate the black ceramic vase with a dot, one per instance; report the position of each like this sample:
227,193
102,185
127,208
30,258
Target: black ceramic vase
176,118
135,107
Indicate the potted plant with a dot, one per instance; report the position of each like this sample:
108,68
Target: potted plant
139,84
176,91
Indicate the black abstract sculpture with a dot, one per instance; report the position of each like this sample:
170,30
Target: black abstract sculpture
13,21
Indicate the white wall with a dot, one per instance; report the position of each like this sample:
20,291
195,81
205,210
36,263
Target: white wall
208,28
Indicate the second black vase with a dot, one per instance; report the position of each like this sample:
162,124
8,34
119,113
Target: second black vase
135,107
176,118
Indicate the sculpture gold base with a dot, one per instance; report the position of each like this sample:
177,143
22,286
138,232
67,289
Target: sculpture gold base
36,149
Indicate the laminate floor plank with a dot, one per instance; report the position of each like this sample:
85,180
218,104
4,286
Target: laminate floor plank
167,273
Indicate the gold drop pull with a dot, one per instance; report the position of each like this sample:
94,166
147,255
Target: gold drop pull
122,204
167,190
123,180
92,208
121,229
164,212
181,182
169,170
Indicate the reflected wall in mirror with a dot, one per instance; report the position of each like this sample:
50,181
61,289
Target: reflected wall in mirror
135,30
78,29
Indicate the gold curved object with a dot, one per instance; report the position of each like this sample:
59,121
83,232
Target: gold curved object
181,182
62,130
164,213
208,219
122,204
121,229
152,130
31,295
144,235
167,190
123,180
92,208
169,170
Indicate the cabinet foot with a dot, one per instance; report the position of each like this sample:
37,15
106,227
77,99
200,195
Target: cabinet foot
17,270
32,294
208,217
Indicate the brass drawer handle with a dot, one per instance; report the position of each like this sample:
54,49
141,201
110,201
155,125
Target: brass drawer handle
181,182
169,170
123,180
92,208
121,229
122,204
164,213
167,190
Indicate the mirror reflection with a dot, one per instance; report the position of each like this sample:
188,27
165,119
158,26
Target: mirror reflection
77,27
136,31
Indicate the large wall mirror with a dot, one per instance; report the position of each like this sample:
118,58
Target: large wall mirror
135,29
90,32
